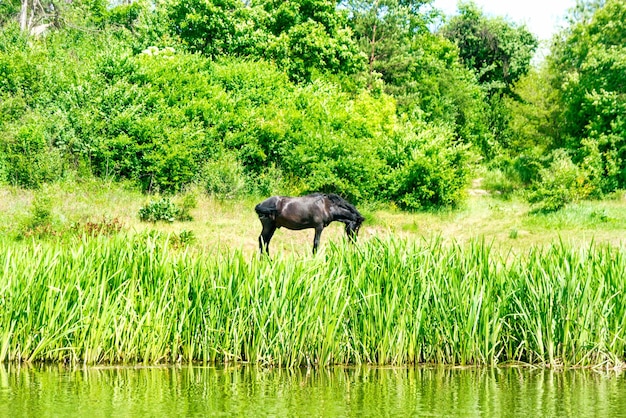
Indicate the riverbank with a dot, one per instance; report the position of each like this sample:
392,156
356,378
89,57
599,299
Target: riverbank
142,298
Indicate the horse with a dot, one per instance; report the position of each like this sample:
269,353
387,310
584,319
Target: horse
316,210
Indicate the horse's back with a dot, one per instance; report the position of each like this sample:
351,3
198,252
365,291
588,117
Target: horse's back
303,212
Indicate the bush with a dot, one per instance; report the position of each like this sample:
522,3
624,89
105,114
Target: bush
224,177
560,183
335,142
187,202
40,222
434,172
182,239
28,161
163,210
527,166
167,119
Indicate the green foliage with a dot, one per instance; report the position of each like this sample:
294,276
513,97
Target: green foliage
309,37
421,70
385,32
497,50
206,26
588,67
337,140
28,160
165,119
224,177
17,67
302,38
535,121
183,239
527,166
433,171
251,97
187,202
164,210
130,299
8,10
499,183
499,54
125,15
560,183
40,222
439,88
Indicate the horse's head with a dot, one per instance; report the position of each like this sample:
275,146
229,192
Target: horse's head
353,226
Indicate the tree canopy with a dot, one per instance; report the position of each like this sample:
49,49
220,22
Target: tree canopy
359,97
498,51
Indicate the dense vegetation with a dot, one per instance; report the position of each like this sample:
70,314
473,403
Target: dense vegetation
379,101
133,299
362,98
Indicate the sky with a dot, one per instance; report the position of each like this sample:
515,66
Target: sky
542,17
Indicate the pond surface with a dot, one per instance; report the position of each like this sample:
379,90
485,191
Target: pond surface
336,392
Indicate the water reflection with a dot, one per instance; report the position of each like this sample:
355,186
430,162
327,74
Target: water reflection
248,391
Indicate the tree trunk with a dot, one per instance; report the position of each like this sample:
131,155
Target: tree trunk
24,23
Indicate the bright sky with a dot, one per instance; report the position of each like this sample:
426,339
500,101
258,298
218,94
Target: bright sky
542,17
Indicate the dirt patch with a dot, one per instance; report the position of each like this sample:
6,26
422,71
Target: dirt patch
476,189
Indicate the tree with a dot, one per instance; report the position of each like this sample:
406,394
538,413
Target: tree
421,70
535,119
588,63
384,30
302,37
497,50
206,26
499,53
9,10
310,36
36,16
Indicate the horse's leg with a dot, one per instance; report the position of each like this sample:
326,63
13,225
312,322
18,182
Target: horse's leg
316,240
269,227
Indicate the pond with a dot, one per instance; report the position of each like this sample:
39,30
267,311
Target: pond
58,391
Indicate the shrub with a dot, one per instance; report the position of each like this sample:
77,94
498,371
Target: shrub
183,239
3,169
167,119
527,167
28,161
224,177
40,221
186,203
433,171
162,210
560,183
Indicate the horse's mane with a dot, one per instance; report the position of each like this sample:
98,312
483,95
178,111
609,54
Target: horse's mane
340,201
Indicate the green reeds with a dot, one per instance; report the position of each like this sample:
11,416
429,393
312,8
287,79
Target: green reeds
129,299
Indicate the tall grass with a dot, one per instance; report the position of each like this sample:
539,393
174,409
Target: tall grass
129,299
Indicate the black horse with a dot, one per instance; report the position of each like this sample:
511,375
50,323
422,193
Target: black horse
312,211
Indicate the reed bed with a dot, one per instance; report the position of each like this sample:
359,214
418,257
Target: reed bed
137,299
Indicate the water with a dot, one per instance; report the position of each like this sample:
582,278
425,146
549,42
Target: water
353,392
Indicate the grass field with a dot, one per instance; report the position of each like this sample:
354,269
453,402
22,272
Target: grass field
484,284
233,224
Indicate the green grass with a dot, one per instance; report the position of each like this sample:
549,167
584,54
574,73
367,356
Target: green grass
232,224
487,283
131,299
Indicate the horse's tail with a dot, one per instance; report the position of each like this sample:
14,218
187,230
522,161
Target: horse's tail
266,209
